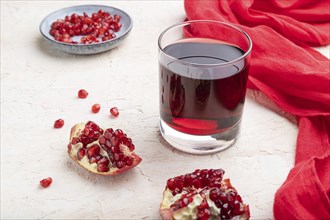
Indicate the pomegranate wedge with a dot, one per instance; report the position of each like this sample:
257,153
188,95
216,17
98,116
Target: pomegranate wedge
106,152
202,195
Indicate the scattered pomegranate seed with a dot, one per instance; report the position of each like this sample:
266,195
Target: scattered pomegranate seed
46,182
58,123
82,93
96,108
114,112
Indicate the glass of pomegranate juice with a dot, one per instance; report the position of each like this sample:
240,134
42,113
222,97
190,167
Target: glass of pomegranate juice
203,71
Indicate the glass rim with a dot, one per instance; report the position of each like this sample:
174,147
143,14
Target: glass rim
205,21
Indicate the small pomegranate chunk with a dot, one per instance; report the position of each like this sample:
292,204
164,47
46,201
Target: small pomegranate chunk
105,152
46,182
192,195
114,112
96,108
82,93
58,123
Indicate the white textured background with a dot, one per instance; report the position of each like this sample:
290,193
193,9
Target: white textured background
39,85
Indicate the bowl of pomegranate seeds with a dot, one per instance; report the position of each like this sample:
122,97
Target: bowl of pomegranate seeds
86,29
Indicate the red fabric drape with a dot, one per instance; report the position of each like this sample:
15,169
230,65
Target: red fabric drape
296,78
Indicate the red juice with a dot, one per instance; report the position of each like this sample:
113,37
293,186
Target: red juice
202,100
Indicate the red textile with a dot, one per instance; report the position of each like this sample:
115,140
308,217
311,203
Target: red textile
296,78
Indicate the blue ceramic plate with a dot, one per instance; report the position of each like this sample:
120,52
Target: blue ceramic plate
100,47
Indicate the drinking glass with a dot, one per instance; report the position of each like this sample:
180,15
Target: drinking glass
203,71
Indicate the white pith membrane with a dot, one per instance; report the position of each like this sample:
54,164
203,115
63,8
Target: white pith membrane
190,211
84,161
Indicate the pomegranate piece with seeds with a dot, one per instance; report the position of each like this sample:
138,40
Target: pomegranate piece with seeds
58,123
46,182
202,195
106,152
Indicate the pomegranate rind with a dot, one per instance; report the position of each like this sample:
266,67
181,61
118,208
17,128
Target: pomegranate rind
167,214
136,161
72,152
185,213
189,212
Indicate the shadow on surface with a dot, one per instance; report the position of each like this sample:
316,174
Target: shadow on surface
50,51
106,181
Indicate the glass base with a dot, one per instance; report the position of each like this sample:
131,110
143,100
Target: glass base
199,144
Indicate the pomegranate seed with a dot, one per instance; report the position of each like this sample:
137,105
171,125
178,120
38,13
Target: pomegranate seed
101,167
171,184
214,194
223,198
75,140
131,147
188,180
93,150
58,123
128,161
114,142
46,182
117,17
87,132
117,27
108,133
81,153
203,214
114,150
119,133
197,183
96,108
105,38
238,198
84,140
120,164
82,93
102,140
104,160
205,182
114,112
179,184
118,157
95,159
231,196
100,12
